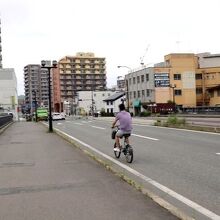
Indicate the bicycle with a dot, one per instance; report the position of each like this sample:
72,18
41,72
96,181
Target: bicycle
126,148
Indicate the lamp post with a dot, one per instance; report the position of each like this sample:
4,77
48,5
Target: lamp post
126,81
173,87
48,66
35,103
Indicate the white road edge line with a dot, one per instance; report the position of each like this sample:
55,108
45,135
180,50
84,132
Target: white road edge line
163,188
137,135
98,127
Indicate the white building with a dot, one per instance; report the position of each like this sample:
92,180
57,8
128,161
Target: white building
85,98
112,102
8,94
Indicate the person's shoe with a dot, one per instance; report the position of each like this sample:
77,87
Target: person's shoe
117,149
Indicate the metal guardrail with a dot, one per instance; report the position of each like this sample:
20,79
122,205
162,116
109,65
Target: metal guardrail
4,120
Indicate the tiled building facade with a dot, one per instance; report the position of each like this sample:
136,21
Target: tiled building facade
82,72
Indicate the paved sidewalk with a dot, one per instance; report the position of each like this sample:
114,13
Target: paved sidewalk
43,177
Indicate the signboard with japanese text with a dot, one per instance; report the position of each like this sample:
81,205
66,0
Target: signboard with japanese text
161,80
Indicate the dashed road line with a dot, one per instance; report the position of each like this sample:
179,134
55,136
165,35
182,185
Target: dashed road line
76,123
98,127
141,136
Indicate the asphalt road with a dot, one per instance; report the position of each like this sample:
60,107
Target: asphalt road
186,162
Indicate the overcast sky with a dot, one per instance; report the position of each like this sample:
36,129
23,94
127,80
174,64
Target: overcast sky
122,31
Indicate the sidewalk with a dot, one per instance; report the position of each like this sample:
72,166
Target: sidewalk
43,177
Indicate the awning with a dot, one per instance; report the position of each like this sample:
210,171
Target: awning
137,103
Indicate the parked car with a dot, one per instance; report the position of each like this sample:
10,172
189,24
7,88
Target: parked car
58,116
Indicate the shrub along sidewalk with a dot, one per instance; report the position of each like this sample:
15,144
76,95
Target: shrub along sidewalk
175,122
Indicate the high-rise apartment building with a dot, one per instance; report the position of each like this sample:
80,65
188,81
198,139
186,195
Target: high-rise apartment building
35,82
8,87
82,72
0,47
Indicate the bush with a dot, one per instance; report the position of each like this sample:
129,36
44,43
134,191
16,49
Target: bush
145,114
105,114
173,120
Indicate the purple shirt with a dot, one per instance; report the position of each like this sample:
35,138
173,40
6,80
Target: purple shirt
125,121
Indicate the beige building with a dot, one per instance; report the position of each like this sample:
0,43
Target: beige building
189,80
82,72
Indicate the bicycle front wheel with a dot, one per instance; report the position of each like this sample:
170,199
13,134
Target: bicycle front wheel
129,154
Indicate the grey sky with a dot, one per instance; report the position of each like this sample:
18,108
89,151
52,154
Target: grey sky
119,30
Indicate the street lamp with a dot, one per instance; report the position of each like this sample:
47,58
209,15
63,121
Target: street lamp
35,103
173,87
47,65
126,81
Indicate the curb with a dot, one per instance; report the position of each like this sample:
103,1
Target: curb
109,165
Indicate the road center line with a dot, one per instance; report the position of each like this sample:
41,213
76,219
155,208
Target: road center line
137,135
98,127
163,188
76,123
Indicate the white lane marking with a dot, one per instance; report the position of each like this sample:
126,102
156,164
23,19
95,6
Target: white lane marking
137,135
143,125
98,127
59,123
163,188
218,153
77,123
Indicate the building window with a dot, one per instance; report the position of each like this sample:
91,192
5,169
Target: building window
138,79
177,76
107,102
111,110
148,92
139,94
147,77
111,102
142,78
134,94
218,92
178,92
142,93
198,76
103,94
211,93
129,81
130,95
198,91
133,80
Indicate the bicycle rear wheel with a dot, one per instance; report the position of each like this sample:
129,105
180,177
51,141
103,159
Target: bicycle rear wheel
129,154
117,153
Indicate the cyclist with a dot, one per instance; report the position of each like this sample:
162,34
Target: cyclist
125,126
